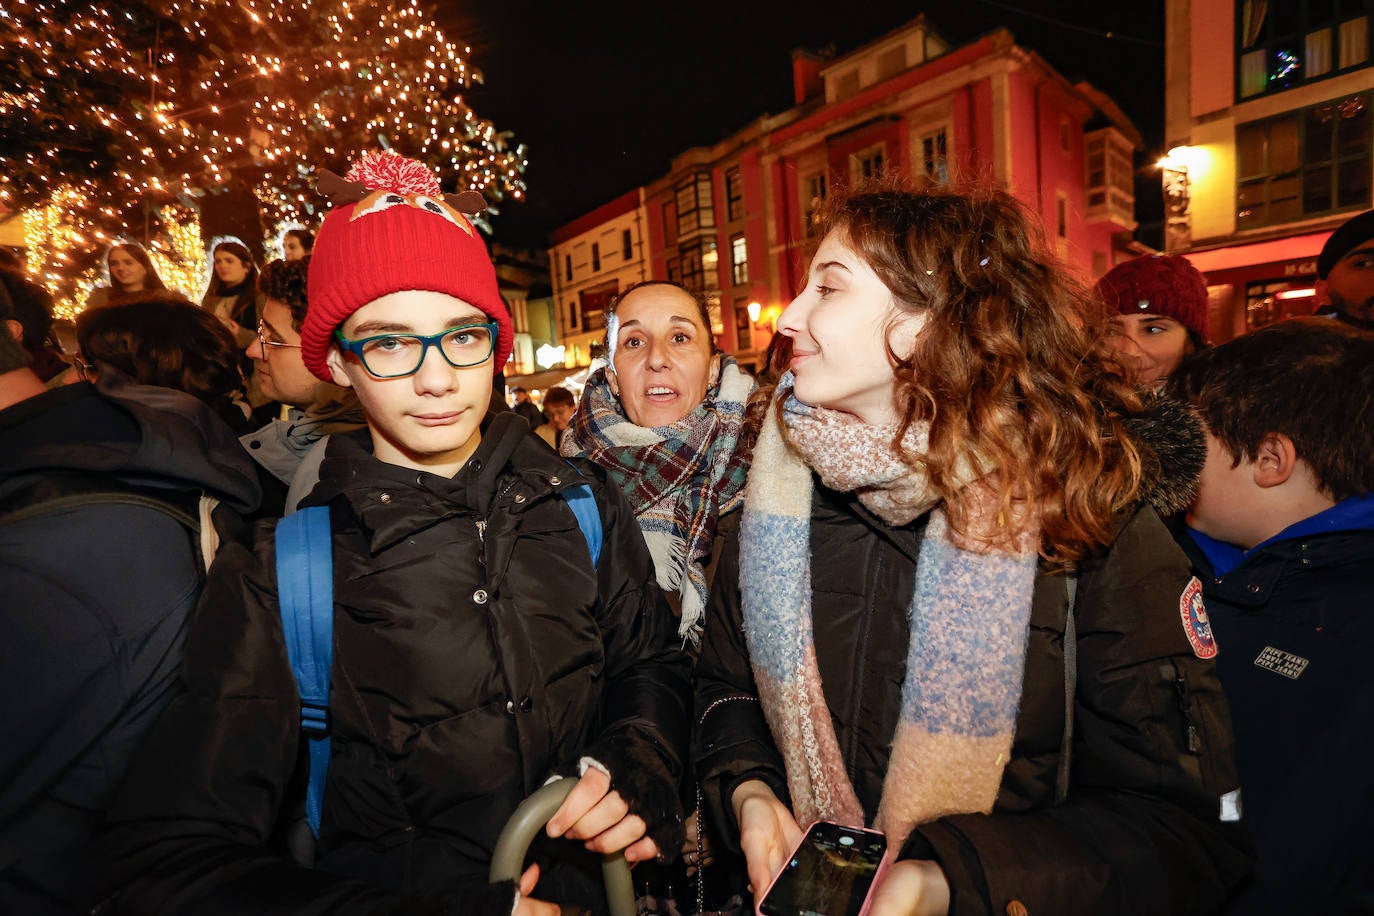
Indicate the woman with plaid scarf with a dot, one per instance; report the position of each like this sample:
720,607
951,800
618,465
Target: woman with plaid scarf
664,418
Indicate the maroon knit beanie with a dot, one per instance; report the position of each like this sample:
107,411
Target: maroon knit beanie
1162,284
392,229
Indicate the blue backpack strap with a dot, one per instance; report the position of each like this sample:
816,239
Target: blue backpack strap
580,499
305,590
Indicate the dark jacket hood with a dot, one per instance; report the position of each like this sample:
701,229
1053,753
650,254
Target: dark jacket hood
1173,448
141,434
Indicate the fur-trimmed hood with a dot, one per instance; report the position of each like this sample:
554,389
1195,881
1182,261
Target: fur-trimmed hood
1173,446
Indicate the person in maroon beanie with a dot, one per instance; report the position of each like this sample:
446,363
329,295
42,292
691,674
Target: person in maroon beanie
1161,306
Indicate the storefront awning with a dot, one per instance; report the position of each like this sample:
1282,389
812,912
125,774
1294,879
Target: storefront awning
538,381
1293,248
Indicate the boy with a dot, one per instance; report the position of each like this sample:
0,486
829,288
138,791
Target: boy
477,648
1283,531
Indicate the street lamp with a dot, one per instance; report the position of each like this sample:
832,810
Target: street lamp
755,308
1178,230
1176,171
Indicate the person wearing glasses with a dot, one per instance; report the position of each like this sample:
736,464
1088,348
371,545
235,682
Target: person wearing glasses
291,447
480,647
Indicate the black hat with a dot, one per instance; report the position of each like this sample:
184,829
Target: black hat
1353,232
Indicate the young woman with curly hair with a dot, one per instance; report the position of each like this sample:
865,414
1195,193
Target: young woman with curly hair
952,612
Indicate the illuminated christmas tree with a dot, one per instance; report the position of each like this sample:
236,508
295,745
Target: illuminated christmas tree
128,115
86,142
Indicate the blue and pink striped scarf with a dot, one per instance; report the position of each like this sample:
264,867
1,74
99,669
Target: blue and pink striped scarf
969,615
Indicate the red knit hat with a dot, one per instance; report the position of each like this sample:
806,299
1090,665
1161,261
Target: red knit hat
392,229
1162,284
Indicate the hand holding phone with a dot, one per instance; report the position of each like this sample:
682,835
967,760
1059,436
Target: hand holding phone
830,873
768,832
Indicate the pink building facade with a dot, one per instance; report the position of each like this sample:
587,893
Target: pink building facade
735,219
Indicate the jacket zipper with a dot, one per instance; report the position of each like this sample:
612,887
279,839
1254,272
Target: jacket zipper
1192,736
482,524
714,703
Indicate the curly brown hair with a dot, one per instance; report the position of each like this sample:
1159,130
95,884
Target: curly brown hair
1012,365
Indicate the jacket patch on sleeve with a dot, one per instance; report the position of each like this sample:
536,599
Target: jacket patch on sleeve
1195,623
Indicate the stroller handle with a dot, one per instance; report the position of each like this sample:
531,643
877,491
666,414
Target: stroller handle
508,860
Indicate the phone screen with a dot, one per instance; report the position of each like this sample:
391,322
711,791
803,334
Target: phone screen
828,875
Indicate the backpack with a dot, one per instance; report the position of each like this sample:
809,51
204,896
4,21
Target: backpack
305,588
57,491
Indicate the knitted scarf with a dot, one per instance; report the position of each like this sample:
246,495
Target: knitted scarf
678,479
969,614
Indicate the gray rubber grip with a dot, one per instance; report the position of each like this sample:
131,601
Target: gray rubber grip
508,861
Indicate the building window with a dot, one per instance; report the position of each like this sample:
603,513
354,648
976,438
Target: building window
1061,216
734,195
596,257
596,302
567,267
813,195
1286,43
934,149
1304,163
627,248
744,328
694,209
846,85
1266,302
699,262
866,164
739,260
1110,173
674,270
572,316
891,62
1065,135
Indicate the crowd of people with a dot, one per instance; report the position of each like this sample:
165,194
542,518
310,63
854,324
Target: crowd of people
1065,602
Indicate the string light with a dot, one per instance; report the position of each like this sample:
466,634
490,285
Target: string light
125,118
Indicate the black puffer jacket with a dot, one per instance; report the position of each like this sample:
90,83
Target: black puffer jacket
1139,831
477,651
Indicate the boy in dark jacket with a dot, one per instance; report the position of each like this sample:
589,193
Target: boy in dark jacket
1283,530
478,650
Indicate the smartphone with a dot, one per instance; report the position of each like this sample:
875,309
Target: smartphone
829,874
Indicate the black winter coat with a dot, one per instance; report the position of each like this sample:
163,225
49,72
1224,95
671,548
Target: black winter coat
1139,831
477,652
96,599
1295,626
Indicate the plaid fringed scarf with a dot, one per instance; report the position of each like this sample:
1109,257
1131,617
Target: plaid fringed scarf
969,615
678,479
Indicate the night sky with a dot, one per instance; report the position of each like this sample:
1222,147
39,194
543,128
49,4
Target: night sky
605,94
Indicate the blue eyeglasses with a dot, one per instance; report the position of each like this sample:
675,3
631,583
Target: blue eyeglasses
398,355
